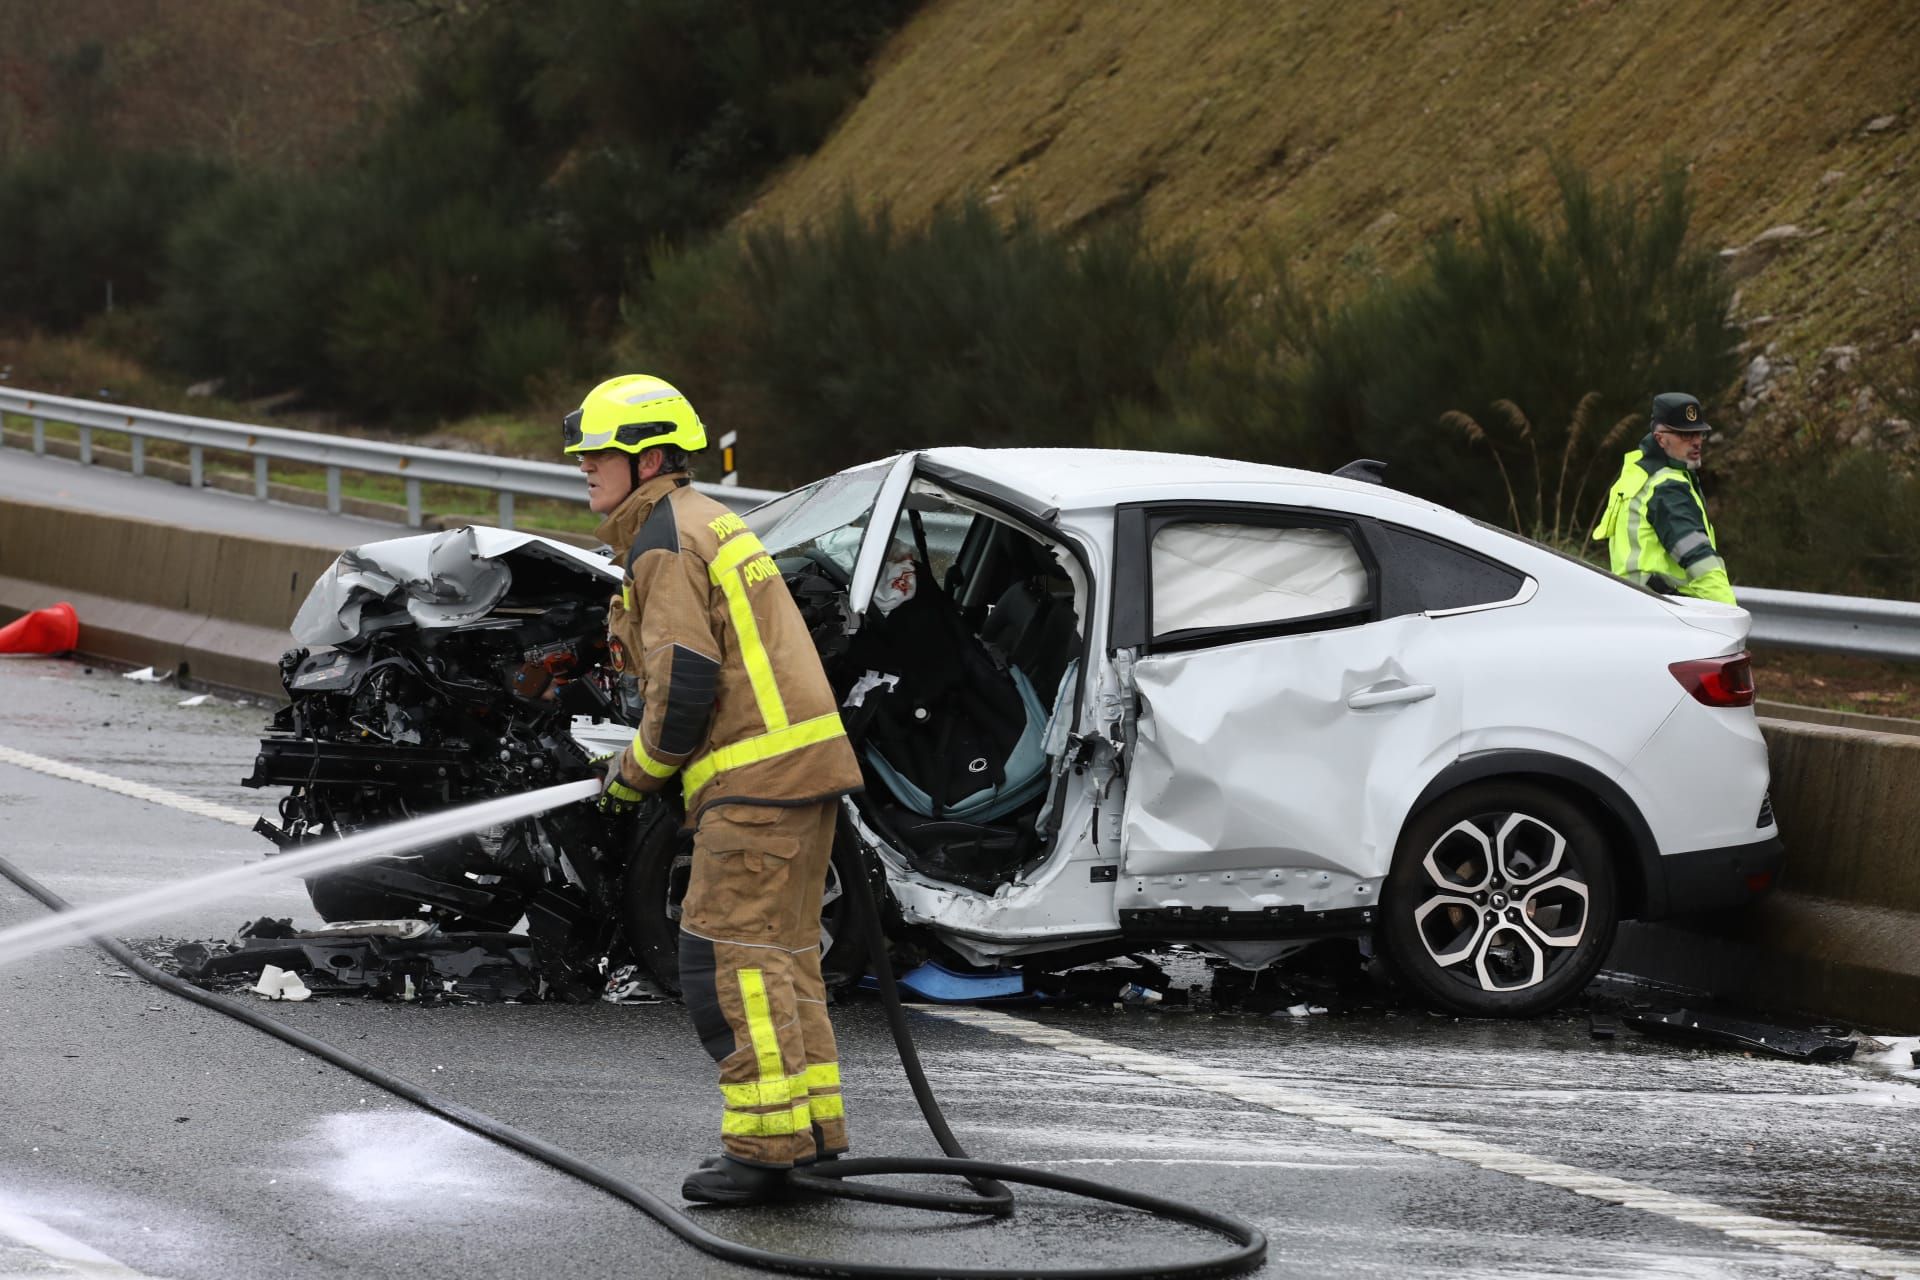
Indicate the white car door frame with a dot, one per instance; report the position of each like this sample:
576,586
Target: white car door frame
881,518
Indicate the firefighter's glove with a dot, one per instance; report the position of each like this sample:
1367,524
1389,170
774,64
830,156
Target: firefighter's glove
617,799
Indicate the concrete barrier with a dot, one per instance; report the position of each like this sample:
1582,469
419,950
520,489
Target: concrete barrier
1840,938
212,607
1846,719
1850,803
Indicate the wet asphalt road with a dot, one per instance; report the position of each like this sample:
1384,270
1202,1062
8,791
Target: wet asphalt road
183,1144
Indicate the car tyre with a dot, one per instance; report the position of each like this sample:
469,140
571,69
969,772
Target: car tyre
340,895
1501,901
657,880
335,899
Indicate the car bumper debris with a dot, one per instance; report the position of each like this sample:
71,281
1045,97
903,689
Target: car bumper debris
1721,1031
397,959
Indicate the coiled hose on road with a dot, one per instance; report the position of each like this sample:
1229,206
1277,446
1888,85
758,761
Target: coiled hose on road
984,1176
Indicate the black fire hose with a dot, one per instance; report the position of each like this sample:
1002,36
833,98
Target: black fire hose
984,1175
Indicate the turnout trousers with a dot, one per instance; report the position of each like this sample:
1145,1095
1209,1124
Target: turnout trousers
750,972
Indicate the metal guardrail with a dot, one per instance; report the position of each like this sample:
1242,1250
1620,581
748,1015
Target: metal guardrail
1787,619
1835,624
413,465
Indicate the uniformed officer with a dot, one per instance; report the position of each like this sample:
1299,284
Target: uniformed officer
737,707
1656,527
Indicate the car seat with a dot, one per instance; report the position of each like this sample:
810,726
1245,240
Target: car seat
949,729
1033,631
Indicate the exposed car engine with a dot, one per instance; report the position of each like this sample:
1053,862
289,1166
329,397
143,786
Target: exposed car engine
405,717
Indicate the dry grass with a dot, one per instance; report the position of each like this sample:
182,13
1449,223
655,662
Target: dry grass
77,367
245,81
1352,132
1836,682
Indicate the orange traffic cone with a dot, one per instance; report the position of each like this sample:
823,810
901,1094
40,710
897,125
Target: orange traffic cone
54,629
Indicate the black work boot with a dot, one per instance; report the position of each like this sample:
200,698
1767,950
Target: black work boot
724,1180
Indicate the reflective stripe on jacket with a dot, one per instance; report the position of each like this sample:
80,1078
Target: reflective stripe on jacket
1656,528
735,700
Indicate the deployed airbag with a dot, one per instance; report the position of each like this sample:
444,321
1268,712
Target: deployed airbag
1228,575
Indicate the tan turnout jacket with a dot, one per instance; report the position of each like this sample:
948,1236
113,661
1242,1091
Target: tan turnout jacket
736,702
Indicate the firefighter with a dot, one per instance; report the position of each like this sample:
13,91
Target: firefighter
1656,527
736,707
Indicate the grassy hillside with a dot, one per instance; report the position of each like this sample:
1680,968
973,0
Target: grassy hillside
1353,132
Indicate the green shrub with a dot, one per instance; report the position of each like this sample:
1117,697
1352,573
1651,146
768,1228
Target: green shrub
678,108
1821,518
251,277
482,235
385,288
79,220
832,344
1613,301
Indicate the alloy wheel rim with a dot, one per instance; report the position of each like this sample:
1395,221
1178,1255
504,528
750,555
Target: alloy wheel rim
828,897
1501,908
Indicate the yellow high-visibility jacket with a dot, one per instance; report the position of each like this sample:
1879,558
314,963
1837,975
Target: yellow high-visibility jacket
1656,528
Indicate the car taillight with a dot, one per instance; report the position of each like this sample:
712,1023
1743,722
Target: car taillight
1717,682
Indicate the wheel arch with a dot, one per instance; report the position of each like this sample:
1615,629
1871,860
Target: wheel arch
1642,887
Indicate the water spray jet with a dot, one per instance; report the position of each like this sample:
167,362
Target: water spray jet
86,923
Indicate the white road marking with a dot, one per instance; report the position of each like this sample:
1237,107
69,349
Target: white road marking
78,1259
124,787
1310,1166
1799,1241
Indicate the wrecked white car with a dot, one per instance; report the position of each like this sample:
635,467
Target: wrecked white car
1108,703
1263,706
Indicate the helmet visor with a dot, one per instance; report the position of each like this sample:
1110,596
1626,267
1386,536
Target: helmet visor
626,436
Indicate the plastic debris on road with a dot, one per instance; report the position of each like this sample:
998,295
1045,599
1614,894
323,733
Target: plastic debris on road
279,984
629,985
399,959
196,700
145,675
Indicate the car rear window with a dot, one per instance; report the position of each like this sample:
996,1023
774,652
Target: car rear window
1550,549
1424,574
